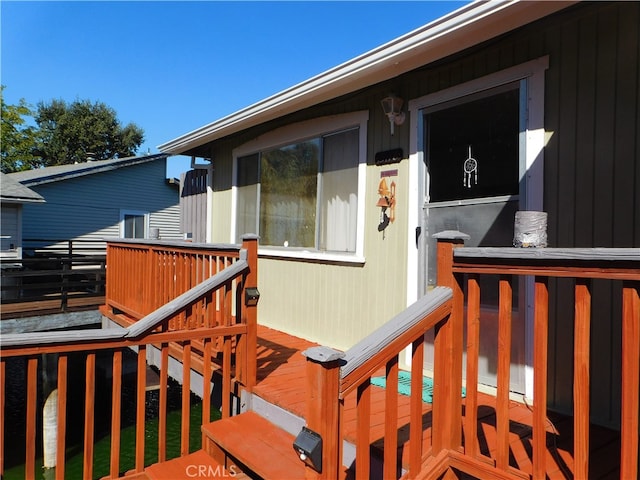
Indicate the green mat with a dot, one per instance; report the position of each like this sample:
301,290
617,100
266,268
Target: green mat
404,385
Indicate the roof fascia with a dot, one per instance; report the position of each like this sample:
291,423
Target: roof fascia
91,169
472,24
21,200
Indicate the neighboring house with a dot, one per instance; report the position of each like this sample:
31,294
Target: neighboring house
507,106
13,196
120,198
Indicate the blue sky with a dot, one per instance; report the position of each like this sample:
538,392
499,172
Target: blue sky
171,67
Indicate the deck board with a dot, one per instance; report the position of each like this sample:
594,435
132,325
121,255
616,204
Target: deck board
281,380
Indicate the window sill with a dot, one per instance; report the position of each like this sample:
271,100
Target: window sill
310,255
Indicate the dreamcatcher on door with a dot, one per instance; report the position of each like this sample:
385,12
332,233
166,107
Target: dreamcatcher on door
470,167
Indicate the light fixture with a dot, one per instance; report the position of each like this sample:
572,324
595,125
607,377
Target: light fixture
308,446
392,106
251,296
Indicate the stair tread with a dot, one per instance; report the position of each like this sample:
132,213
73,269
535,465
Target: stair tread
195,465
258,444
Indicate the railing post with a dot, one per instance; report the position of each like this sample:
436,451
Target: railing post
630,389
323,408
447,402
250,244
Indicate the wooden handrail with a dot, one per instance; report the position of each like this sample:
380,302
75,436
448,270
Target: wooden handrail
138,329
333,375
146,274
375,350
169,310
583,265
607,263
211,297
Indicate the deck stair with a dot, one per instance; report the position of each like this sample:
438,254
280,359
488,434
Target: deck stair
244,446
252,444
198,464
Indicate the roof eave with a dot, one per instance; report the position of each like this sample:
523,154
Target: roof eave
474,23
91,169
21,200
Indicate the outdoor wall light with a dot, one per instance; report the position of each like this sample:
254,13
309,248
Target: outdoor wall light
251,297
308,446
392,106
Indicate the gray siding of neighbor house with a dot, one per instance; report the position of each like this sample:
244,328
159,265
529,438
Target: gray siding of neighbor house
88,207
591,159
11,239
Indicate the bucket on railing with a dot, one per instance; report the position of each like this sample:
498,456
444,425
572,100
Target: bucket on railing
530,229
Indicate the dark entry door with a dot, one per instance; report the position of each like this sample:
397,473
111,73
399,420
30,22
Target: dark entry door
472,150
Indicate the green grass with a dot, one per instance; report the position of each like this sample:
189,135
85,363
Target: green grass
102,448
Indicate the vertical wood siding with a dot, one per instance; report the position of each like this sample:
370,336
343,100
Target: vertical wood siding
193,204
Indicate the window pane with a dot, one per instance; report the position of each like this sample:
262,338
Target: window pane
288,192
339,204
139,226
133,226
128,226
494,145
248,189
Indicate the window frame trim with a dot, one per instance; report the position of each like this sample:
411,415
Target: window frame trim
138,213
289,134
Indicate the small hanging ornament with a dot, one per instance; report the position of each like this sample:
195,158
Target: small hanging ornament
470,167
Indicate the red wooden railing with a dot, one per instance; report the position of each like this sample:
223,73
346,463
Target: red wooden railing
332,376
143,276
541,265
209,309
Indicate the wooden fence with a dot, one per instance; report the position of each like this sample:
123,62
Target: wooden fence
53,276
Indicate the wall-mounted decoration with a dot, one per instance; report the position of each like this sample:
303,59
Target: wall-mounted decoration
388,156
470,167
387,201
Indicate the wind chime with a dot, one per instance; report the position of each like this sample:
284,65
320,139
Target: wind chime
470,167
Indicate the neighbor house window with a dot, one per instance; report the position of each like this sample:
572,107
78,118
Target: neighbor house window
134,224
302,194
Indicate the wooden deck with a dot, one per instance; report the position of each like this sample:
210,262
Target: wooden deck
281,380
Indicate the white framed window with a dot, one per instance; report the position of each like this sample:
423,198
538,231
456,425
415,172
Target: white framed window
134,224
301,188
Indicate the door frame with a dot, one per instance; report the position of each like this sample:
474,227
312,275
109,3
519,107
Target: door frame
533,139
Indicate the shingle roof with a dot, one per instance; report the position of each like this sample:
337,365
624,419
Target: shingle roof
14,192
61,172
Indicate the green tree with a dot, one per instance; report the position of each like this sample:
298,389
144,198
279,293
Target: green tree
71,133
17,137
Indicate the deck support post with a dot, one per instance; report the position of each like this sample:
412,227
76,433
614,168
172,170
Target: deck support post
250,244
447,381
323,408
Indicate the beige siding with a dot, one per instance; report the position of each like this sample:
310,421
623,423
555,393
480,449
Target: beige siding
338,304
333,304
